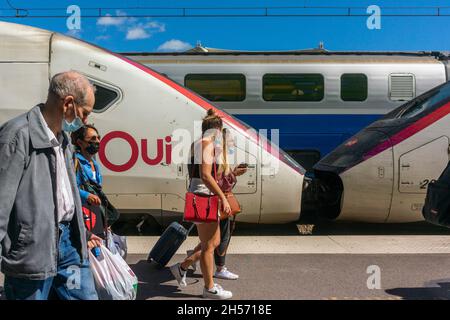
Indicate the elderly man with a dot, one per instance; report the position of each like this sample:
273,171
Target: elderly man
42,234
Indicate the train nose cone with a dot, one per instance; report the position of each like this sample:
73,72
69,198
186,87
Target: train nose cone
348,176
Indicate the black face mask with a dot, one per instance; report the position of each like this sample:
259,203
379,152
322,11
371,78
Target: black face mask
93,147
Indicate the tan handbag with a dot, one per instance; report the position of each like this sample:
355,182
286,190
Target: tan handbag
234,204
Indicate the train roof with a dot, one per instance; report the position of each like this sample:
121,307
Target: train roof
302,54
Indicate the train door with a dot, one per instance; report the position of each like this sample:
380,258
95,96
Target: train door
248,190
419,166
416,168
247,183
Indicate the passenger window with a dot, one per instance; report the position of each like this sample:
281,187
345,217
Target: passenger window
293,87
217,87
354,87
104,97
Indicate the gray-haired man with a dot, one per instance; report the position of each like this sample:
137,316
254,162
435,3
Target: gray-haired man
42,234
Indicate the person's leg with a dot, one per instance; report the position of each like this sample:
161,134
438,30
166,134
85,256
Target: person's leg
226,230
209,234
74,280
193,258
179,270
24,289
221,250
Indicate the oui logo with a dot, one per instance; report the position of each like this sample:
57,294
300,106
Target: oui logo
157,159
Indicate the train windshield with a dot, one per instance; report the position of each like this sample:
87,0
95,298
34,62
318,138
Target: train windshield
354,150
386,132
291,162
428,101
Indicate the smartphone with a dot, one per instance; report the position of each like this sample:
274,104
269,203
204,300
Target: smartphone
243,165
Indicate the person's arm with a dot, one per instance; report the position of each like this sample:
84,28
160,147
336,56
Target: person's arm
86,197
83,194
239,171
99,174
205,173
93,240
12,163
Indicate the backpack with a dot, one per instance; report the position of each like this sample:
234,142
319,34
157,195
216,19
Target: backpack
436,209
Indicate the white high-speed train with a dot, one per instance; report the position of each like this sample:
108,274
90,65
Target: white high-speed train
317,98
137,111
381,174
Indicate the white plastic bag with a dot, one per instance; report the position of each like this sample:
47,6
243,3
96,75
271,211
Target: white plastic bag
114,279
117,244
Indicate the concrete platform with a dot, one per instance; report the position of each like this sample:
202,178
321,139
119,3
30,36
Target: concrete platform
310,267
314,244
309,276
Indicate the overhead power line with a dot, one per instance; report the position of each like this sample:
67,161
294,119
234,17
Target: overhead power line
224,12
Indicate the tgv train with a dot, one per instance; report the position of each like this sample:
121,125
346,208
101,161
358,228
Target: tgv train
317,98
137,111
381,174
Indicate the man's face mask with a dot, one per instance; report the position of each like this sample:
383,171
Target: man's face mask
73,126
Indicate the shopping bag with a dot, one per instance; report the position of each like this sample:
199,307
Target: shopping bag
117,244
114,279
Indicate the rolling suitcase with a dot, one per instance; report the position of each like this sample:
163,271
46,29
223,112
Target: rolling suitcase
169,242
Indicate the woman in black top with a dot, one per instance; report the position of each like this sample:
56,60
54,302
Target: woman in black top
204,182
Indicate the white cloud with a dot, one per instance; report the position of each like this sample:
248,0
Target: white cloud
174,45
134,29
119,19
108,20
156,26
144,30
137,33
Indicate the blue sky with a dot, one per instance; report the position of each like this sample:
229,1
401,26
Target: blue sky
128,34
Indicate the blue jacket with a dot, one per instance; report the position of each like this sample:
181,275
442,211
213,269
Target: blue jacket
84,173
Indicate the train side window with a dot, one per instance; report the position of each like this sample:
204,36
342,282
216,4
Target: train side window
217,87
354,87
104,97
293,87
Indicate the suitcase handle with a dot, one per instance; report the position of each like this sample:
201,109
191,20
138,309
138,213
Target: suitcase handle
190,228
